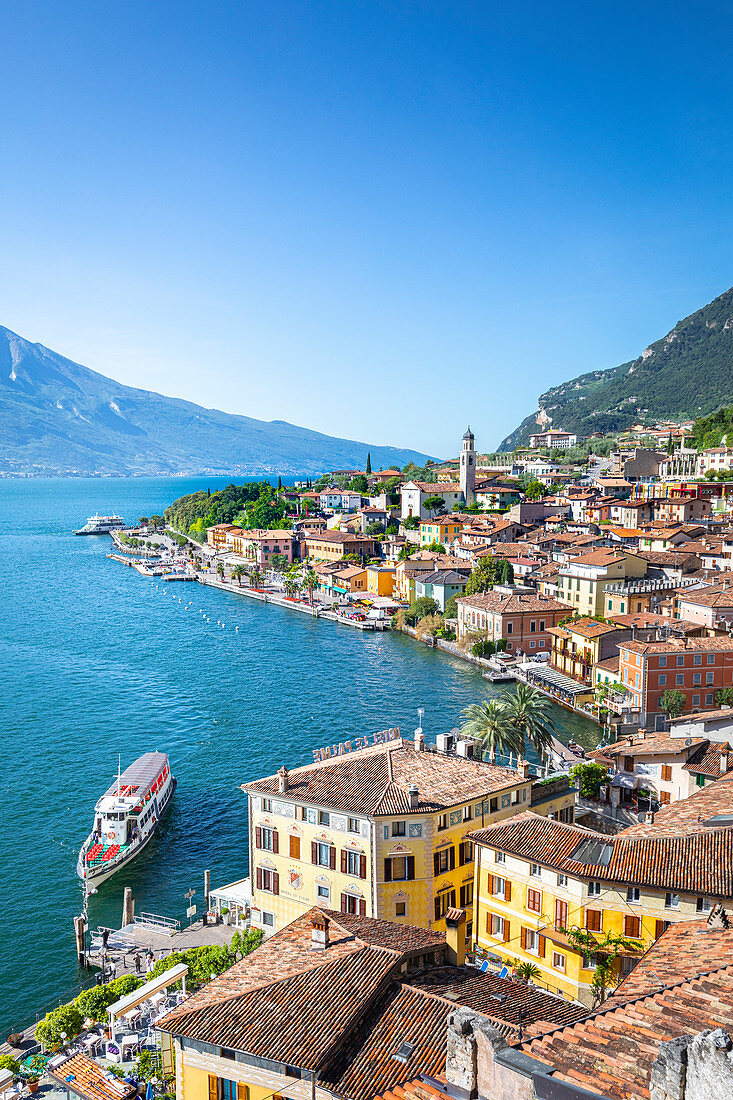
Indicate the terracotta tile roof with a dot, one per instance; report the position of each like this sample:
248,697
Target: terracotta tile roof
377,780
710,759
686,950
692,645
668,557
414,1090
650,746
89,1079
696,814
611,665
337,536
599,558
705,716
695,862
589,628
705,598
500,603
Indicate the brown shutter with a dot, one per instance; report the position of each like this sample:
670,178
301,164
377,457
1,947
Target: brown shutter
451,858
242,1091
436,865
344,861
410,867
658,929
258,844
258,878
542,946
213,1089
492,887
314,852
362,866
561,914
344,903
507,890
437,909
507,931
523,939
332,858
362,907
295,847
275,842
275,882
452,899
388,870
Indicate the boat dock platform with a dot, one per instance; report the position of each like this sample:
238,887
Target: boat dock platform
151,933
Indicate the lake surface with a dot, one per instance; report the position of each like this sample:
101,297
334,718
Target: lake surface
95,662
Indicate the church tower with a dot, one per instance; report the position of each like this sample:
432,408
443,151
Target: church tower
468,468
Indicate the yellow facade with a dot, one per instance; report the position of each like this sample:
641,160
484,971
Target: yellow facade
439,530
583,588
514,898
311,868
205,1075
380,580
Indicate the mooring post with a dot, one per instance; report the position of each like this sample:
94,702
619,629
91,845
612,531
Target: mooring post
128,907
81,940
207,887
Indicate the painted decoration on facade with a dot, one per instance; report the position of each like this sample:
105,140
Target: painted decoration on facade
311,817
338,823
456,817
415,830
284,809
295,878
505,800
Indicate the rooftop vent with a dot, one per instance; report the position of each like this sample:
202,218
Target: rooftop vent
405,1051
595,853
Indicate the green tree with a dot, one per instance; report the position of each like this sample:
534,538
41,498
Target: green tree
369,463
672,702
483,577
490,723
529,713
359,484
8,1062
65,1018
220,569
279,485
238,572
451,608
505,572
143,521
434,504
411,523
156,522
375,529
534,489
255,577
724,697
423,606
590,778
310,581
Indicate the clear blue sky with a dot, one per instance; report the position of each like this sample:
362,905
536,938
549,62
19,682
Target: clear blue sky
376,219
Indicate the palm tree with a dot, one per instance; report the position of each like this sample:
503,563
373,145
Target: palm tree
490,724
255,577
310,580
238,571
529,714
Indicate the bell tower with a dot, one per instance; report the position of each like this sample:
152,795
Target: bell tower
468,468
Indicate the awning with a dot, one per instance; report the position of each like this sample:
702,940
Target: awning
554,679
147,990
628,782
83,1077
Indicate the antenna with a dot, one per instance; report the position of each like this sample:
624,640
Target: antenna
119,772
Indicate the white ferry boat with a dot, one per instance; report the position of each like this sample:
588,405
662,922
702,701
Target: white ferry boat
126,817
101,525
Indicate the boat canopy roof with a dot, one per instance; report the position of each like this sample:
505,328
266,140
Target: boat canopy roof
136,779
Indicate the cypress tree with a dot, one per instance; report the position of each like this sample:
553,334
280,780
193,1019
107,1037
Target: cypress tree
369,463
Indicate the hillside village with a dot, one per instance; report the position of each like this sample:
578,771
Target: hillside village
497,914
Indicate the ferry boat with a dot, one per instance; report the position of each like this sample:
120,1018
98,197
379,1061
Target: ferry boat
126,817
101,525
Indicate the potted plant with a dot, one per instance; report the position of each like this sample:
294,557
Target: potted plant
32,1083
528,972
225,914
15,1040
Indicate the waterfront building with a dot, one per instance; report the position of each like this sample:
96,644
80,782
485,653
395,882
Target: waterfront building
338,1007
441,585
538,879
583,579
334,545
697,667
671,767
379,832
511,612
216,536
260,547
380,579
579,645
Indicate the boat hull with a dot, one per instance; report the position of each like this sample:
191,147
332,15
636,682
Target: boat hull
93,876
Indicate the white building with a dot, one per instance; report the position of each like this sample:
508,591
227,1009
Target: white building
554,439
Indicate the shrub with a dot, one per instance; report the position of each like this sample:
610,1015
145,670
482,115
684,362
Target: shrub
8,1062
590,778
484,648
66,1018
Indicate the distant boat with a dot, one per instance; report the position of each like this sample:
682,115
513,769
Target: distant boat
126,817
101,525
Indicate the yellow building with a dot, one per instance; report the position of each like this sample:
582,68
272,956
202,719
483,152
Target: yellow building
538,880
442,530
380,579
380,831
579,645
582,581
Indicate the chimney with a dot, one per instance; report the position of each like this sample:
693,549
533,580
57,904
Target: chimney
419,740
724,759
282,780
523,768
413,795
319,933
455,936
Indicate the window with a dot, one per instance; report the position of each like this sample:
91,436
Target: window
532,626
267,805
531,941
324,892
632,927
711,658
667,773
467,813
442,822
594,889
593,920
662,679
353,824
466,895
534,900
351,863
295,847
558,961
400,909
679,679
500,857
443,902
301,814
671,901
266,839
510,628
495,926
702,905
680,661
493,805
323,855
444,860
696,700
497,886
662,662
351,904
535,869
399,828
664,798
628,763
699,780
562,879
268,880
709,677
696,679
465,852
399,868
697,659
324,817
633,893
542,624
709,700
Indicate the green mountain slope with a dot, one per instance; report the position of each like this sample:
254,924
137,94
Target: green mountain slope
688,373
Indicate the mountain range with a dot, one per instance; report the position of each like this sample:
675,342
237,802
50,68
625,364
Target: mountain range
686,374
60,418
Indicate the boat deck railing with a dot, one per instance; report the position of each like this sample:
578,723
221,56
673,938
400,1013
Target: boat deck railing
162,924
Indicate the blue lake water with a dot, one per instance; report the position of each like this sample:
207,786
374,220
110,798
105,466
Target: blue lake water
95,662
